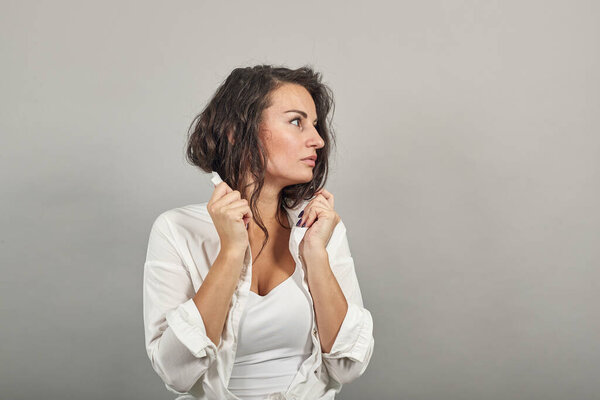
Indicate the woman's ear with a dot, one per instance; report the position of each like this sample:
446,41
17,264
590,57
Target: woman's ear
230,137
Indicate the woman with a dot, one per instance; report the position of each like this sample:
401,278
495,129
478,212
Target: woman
289,322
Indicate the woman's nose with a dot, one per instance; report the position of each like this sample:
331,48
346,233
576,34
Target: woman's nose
319,138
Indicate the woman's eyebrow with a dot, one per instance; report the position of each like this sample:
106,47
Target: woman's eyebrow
301,113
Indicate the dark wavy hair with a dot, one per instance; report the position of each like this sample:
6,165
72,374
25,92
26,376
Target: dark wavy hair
224,137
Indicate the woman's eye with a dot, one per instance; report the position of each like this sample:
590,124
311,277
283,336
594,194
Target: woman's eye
296,119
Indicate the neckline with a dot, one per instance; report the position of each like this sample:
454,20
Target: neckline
276,287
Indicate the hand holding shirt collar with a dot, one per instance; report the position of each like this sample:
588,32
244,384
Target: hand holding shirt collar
321,219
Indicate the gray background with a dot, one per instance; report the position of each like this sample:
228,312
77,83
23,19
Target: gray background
467,173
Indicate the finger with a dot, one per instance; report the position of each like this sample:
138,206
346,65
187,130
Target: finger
317,200
328,196
242,211
220,190
301,222
228,198
235,205
322,201
313,215
304,214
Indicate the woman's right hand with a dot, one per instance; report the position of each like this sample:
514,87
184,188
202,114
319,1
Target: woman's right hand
230,214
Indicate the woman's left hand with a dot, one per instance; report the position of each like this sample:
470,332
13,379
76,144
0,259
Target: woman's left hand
320,219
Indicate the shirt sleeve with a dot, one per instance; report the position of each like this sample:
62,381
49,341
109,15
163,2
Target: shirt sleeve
354,343
175,336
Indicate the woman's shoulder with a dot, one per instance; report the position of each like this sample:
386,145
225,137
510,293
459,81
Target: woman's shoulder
190,218
196,211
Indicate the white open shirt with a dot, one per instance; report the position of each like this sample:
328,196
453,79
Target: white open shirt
182,246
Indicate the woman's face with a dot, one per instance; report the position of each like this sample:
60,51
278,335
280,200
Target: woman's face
289,136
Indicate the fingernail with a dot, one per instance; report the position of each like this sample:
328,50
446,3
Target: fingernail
298,223
304,224
301,212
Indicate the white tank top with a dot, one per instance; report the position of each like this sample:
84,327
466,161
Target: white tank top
273,340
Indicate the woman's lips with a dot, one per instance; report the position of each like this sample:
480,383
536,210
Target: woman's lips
308,161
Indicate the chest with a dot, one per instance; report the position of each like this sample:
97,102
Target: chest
274,265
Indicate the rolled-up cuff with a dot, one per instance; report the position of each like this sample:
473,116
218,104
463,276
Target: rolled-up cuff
355,335
187,325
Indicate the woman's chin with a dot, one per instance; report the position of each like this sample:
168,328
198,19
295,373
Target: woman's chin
304,179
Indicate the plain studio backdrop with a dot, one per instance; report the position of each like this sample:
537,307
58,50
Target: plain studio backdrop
467,173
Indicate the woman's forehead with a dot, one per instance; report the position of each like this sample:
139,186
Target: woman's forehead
284,100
